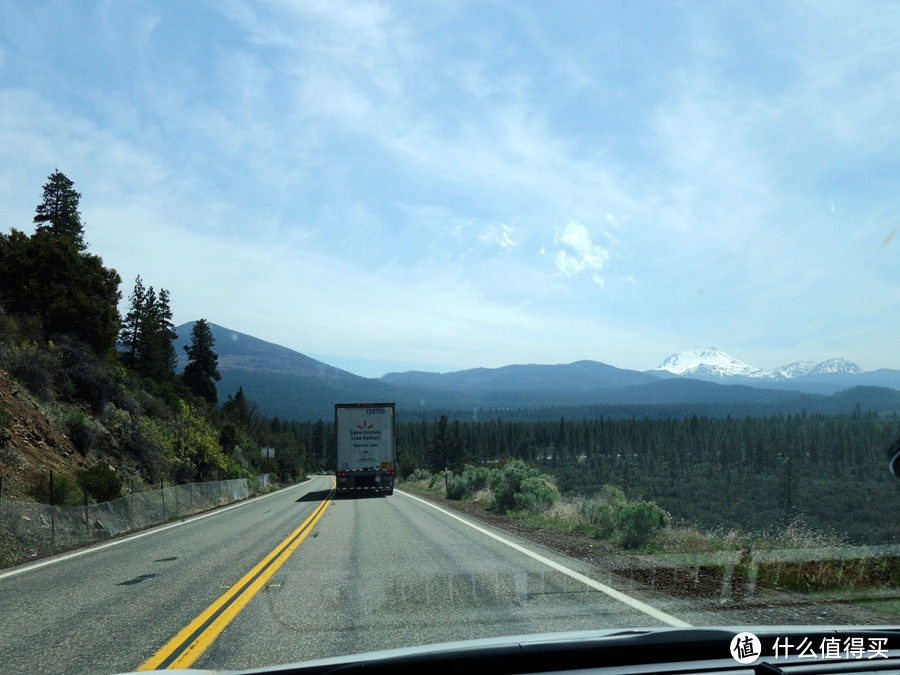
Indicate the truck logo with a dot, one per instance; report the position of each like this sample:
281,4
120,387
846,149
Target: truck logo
364,425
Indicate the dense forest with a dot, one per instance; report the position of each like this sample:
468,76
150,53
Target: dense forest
751,473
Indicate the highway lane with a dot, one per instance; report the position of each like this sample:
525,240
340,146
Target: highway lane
388,572
110,608
370,574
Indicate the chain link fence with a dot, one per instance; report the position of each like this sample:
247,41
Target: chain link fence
28,530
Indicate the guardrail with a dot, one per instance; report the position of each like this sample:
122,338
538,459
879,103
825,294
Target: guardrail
29,529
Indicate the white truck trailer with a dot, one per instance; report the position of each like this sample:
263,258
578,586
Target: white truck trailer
364,439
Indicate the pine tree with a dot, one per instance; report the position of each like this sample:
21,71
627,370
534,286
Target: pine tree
130,335
147,333
58,212
157,358
200,374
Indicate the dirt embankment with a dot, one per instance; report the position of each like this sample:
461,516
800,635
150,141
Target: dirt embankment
29,442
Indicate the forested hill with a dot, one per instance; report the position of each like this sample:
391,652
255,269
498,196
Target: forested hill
282,382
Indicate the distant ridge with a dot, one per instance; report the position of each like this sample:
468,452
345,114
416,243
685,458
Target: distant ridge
287,384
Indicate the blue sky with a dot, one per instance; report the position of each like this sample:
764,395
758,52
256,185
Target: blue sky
447,185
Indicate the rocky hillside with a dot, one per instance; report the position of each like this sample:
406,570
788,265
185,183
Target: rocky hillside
29,441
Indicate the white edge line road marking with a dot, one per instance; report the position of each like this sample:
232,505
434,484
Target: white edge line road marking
603,588
28,567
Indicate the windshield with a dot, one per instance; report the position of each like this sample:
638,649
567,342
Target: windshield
332,327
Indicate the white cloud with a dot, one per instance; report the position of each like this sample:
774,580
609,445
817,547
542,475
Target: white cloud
500,235
578,252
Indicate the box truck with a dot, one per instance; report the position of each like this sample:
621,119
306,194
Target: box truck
364,440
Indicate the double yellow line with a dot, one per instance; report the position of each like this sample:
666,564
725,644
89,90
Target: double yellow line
186,647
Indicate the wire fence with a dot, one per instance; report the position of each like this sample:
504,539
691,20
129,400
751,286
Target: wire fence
28,529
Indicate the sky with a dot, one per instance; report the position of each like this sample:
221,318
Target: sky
411,185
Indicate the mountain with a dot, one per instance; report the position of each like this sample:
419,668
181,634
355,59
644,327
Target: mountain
281,381
795,369
577,376
708,362
291,385
839,366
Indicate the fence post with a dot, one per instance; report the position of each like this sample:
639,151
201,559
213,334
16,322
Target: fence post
84,490
162,491
1,494
52,512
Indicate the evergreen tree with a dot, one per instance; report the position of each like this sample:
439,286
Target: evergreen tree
242,412
147,333
200,374
446,449
130,335
58,212
157,358
46,276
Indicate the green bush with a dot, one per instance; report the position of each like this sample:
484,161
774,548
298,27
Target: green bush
520,486
610,515
638,522
478,478
65,491
101,482
469,482
81,432
32,366
457,487
418,475
602,517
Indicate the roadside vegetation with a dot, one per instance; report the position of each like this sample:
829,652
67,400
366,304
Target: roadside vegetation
523,495
109,381
763,486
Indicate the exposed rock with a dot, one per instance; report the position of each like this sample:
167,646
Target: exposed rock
34,444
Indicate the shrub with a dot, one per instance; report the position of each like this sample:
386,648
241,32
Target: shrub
150,442
457,487
520,486
101,482
602,516
82,375
419,475
471,481
65,491
638,522
478,478
33,367
81,432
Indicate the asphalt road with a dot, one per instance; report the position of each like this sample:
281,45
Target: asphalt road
352,575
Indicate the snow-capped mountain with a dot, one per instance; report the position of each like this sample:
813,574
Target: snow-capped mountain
710,362
795,369
836,366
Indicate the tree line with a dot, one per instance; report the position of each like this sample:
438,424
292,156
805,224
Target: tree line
749,473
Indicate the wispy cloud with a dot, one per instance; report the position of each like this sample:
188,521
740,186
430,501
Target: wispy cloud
499,235
577,252
296,152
